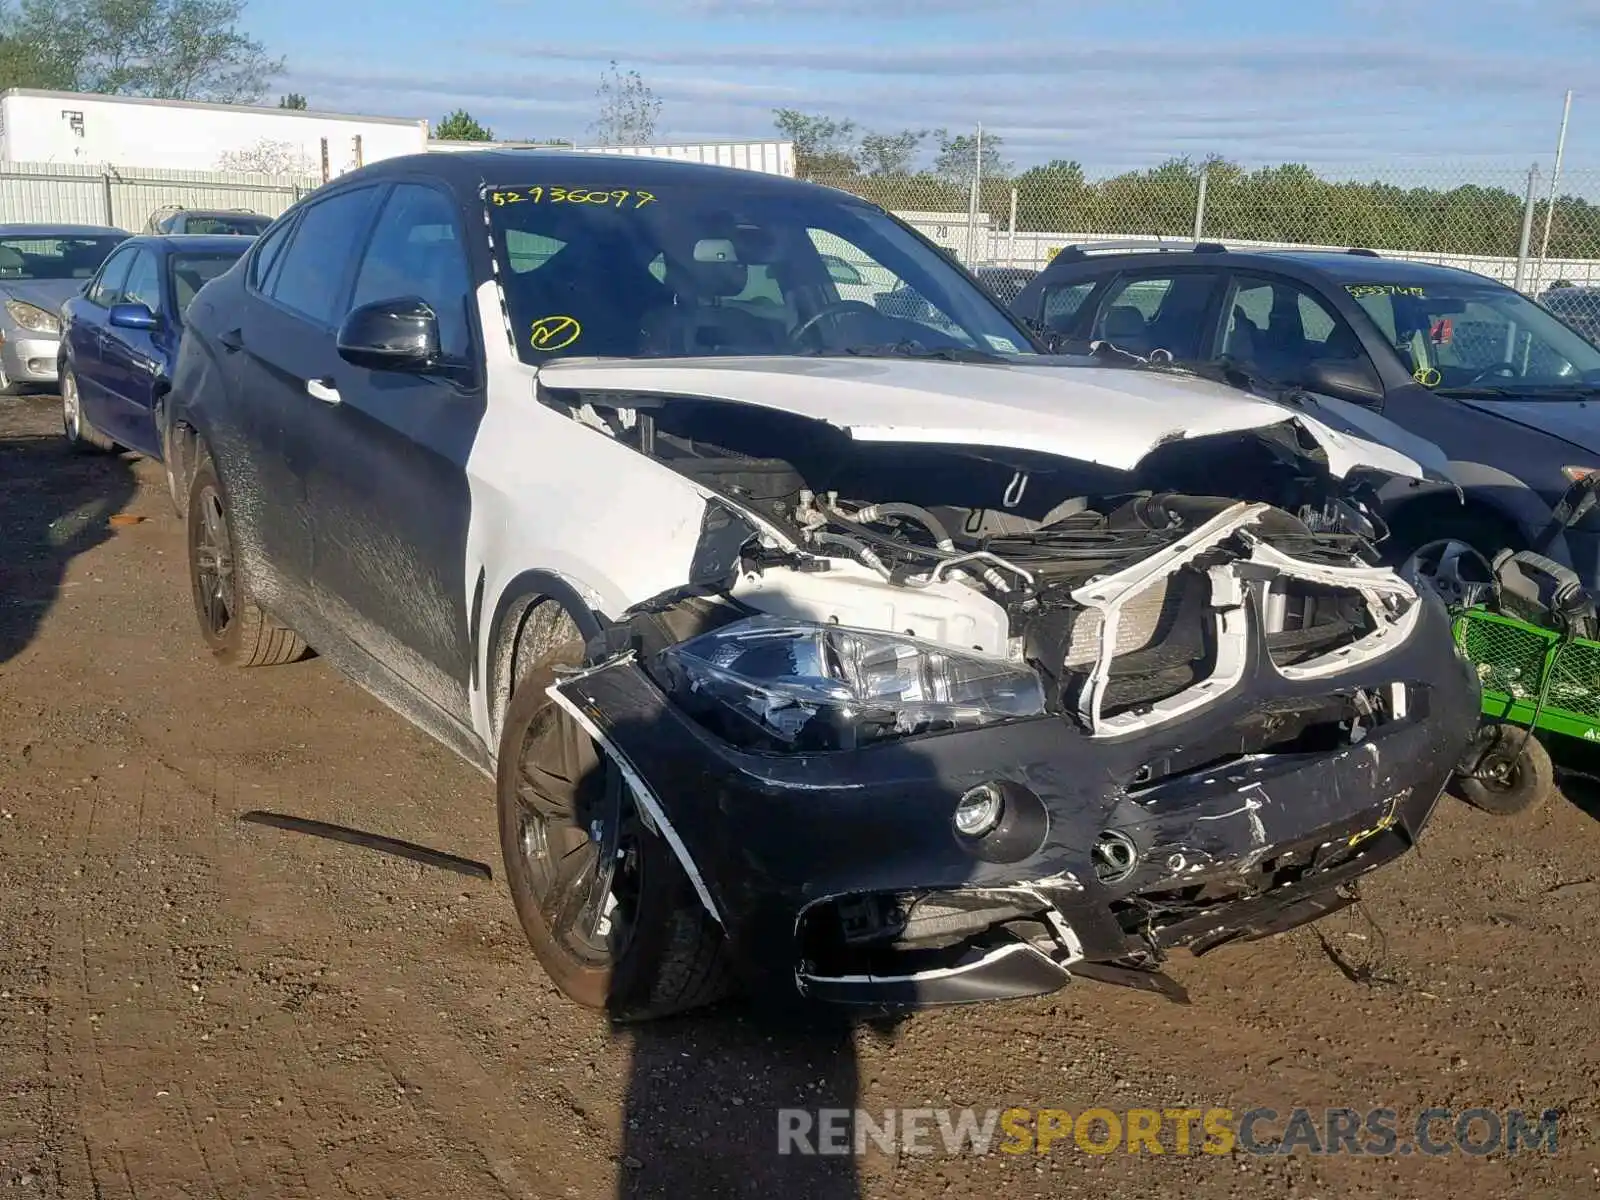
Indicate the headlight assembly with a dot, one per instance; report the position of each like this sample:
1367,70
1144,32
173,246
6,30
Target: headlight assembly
772,683
33,318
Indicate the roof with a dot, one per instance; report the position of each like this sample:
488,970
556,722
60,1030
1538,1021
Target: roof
1362,268
577,168
196,242
1342,266
258,109
58,229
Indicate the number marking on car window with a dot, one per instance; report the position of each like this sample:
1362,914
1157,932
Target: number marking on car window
616,198
1382,289
554,333
1427,376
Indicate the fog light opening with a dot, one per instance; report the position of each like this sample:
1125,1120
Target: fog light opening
979,811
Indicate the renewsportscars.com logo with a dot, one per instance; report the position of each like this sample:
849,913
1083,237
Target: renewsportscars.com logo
1375,1132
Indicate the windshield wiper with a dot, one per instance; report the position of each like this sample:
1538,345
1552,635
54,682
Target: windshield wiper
1536,392
915,350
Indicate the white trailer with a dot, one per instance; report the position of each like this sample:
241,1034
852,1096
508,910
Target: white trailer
180,135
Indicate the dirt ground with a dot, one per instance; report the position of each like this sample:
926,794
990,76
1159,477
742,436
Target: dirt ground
195,1006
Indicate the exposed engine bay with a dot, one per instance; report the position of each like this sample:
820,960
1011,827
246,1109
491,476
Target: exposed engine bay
1142,687
1123,594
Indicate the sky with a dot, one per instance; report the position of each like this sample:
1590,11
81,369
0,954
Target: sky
1342,85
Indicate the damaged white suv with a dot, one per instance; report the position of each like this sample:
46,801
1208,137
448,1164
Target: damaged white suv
849,650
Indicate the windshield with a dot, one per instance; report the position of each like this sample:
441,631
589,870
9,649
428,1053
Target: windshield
1466,335
191,272
696,271
247,226
31,258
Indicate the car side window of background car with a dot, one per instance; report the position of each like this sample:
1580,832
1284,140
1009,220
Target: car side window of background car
144,282
1145,313
1062,304
416,250
311,276
268,251
1280,328
107,289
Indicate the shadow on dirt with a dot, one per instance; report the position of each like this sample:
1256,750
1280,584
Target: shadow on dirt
55,504
1577,772
706,1097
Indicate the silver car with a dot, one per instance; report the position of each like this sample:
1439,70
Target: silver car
40,267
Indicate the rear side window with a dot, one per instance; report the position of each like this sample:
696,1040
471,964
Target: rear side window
1062,304
267,253
316,262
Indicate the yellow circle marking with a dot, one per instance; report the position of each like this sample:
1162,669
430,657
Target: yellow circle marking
1427,376
554,333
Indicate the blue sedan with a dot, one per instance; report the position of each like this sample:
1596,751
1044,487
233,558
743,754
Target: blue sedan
119,336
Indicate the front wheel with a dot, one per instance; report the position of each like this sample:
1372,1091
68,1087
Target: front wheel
602,900
1510,771
233,625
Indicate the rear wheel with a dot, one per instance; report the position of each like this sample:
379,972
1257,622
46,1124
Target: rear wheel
602,900
232,624
75,427
1510,771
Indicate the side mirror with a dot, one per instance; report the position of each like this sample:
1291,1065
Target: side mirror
132,316
391,335
1343,379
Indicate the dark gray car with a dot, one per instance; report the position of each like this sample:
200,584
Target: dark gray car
1504,388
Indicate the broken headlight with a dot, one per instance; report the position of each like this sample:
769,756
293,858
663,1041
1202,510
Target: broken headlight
772,683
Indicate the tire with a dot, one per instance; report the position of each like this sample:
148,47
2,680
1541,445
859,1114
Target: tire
75,427
1513,785
662,954
232,625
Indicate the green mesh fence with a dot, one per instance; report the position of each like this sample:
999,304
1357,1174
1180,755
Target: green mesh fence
1511,660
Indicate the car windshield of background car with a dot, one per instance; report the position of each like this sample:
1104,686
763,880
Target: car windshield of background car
1462,336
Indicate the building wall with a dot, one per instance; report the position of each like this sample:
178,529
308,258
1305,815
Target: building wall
62,127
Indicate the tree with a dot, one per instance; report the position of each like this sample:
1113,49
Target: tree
823,146
24,65
168,49
958,156
890,153
459,126
268,157
292,100
628,110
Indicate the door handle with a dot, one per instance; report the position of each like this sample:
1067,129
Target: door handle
231,339
322,390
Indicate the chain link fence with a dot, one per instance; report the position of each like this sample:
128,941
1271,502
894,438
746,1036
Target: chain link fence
1500,224
125,197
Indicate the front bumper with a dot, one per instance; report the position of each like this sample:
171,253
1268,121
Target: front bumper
29,357
784,849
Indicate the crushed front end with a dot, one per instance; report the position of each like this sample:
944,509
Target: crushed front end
1204,721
